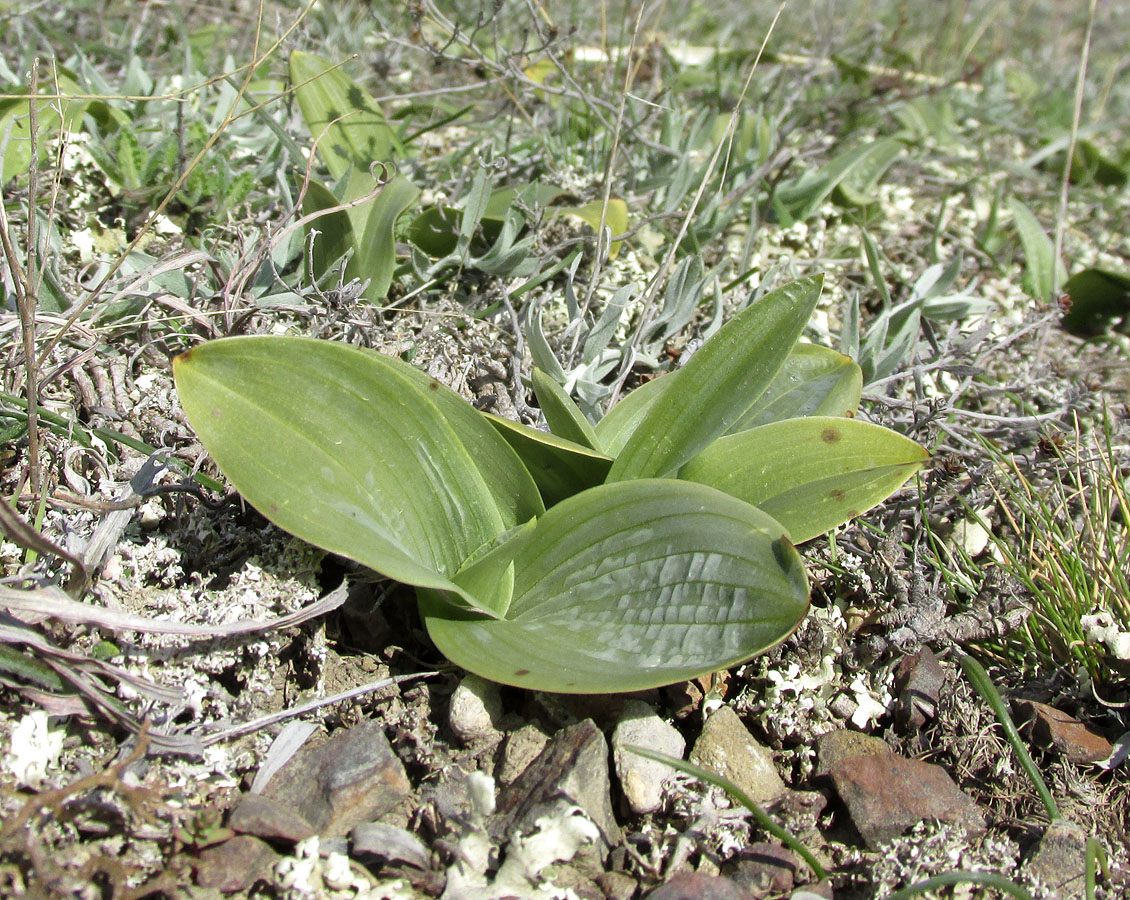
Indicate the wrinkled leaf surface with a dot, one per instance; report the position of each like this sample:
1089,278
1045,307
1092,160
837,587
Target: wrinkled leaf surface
633,585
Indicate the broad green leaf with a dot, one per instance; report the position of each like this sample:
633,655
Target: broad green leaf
355,131
814,381
559,467
810,474
349,450
1099,299
375,258
633,585
621,421
436,230
615,219
15,121
532,193
335,232
1043,271
515,492
488,575
722,380
562,415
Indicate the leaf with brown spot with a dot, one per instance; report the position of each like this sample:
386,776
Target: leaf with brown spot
810,474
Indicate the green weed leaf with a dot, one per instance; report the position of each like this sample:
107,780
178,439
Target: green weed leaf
353,142
375,258
335,231
855,172
633,585
1043,272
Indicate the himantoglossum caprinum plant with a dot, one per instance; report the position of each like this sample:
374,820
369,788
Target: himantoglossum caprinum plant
655,546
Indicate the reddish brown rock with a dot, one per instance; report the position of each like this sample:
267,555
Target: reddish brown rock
766,869
1070,737
886,794
236,864
919,679
696,886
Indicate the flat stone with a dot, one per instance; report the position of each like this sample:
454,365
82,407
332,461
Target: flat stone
696,886
475,710
1059,859
389,844
642,780
1070,737
236,864
887,794
919,679
727,748
353,777
572,770
765,868
819,890
521,748
841,745
617,885
266,818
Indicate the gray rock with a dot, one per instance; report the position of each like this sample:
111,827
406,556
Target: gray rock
521,748
642,780
475,710
727,748
1059,859
842,744
572,770
353,777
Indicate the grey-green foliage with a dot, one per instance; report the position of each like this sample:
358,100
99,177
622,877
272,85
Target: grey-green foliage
894,333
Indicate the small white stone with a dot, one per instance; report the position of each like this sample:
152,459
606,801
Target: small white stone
642,780
35,746
476,706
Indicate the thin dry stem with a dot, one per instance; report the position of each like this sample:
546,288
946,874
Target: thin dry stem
1076,113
